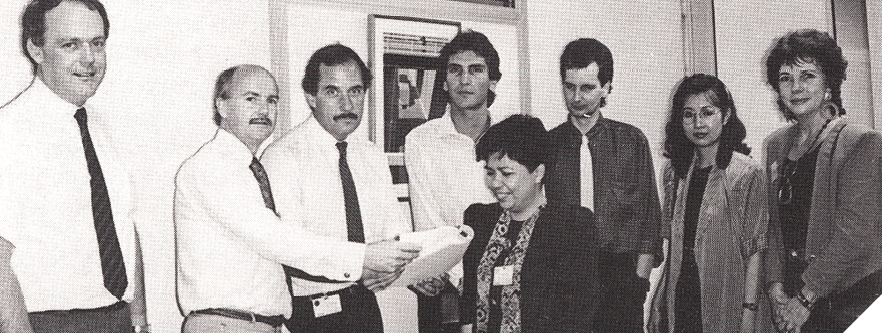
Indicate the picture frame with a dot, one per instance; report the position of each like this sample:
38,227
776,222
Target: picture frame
404,56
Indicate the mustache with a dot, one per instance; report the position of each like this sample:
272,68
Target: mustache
346,115
260,121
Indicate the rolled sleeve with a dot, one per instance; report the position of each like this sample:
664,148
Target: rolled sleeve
756,217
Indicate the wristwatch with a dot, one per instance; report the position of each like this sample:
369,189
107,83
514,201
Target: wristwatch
141,329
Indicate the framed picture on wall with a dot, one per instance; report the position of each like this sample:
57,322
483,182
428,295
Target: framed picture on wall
405,51
504,3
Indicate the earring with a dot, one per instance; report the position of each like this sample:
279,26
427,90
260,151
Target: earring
827,96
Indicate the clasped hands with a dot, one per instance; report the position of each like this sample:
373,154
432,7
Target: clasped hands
788,312
384,262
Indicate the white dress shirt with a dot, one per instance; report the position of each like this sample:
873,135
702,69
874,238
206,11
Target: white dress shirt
443,176
46,202
230,247
304,172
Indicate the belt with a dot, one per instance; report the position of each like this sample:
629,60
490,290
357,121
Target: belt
274,321
350,289
110,308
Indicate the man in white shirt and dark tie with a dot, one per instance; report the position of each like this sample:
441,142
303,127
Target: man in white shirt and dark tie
231,243
65,197
345,184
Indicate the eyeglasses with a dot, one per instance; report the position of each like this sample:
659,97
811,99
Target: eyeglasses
690,117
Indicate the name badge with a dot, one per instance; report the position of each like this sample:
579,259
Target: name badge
502,275
327,305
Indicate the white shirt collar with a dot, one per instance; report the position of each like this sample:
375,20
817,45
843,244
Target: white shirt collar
237,151
54,105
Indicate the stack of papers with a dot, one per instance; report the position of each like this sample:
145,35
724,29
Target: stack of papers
442,248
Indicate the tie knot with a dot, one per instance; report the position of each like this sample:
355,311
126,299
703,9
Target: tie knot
341,146
80,115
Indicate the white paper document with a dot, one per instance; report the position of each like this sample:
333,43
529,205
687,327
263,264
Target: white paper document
443,248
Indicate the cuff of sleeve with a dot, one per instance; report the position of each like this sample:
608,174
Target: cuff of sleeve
654,248
751,246
456,275
351,262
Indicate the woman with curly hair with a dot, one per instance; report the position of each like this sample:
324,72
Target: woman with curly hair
825,193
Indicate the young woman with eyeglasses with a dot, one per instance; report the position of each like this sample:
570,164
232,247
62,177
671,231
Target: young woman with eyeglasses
825,193
715,214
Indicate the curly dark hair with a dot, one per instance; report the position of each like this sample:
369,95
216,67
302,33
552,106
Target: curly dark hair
520,137
679,148
808,46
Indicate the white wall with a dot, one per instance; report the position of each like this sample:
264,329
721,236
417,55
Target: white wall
163,58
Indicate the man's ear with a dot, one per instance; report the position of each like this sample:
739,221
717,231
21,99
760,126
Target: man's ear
35,51
607,88
310,99
221,107
493,86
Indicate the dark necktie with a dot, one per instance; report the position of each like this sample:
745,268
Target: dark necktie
112,264
263,181
354,227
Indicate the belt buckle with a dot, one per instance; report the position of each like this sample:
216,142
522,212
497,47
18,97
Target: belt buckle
253,317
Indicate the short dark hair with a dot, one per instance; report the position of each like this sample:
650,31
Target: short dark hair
220,90
33,22
477,42
520,137
332,55
810,46
581,53
679,148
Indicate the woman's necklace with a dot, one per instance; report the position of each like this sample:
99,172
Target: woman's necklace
795,154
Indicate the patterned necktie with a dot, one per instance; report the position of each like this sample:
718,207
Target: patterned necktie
112,265
354,227
263,181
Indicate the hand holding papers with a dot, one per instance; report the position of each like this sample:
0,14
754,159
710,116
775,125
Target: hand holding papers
384,261
442,248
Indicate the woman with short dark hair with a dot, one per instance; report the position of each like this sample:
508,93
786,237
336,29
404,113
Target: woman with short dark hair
715,213
825,193
531,266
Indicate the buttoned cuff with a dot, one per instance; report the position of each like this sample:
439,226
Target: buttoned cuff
351,262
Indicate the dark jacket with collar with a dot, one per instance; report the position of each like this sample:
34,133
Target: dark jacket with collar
558,276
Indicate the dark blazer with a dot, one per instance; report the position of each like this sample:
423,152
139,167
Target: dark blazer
558,277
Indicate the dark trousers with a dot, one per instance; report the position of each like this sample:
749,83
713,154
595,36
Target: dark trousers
116,318
622,293
836,312
360,314
439,313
